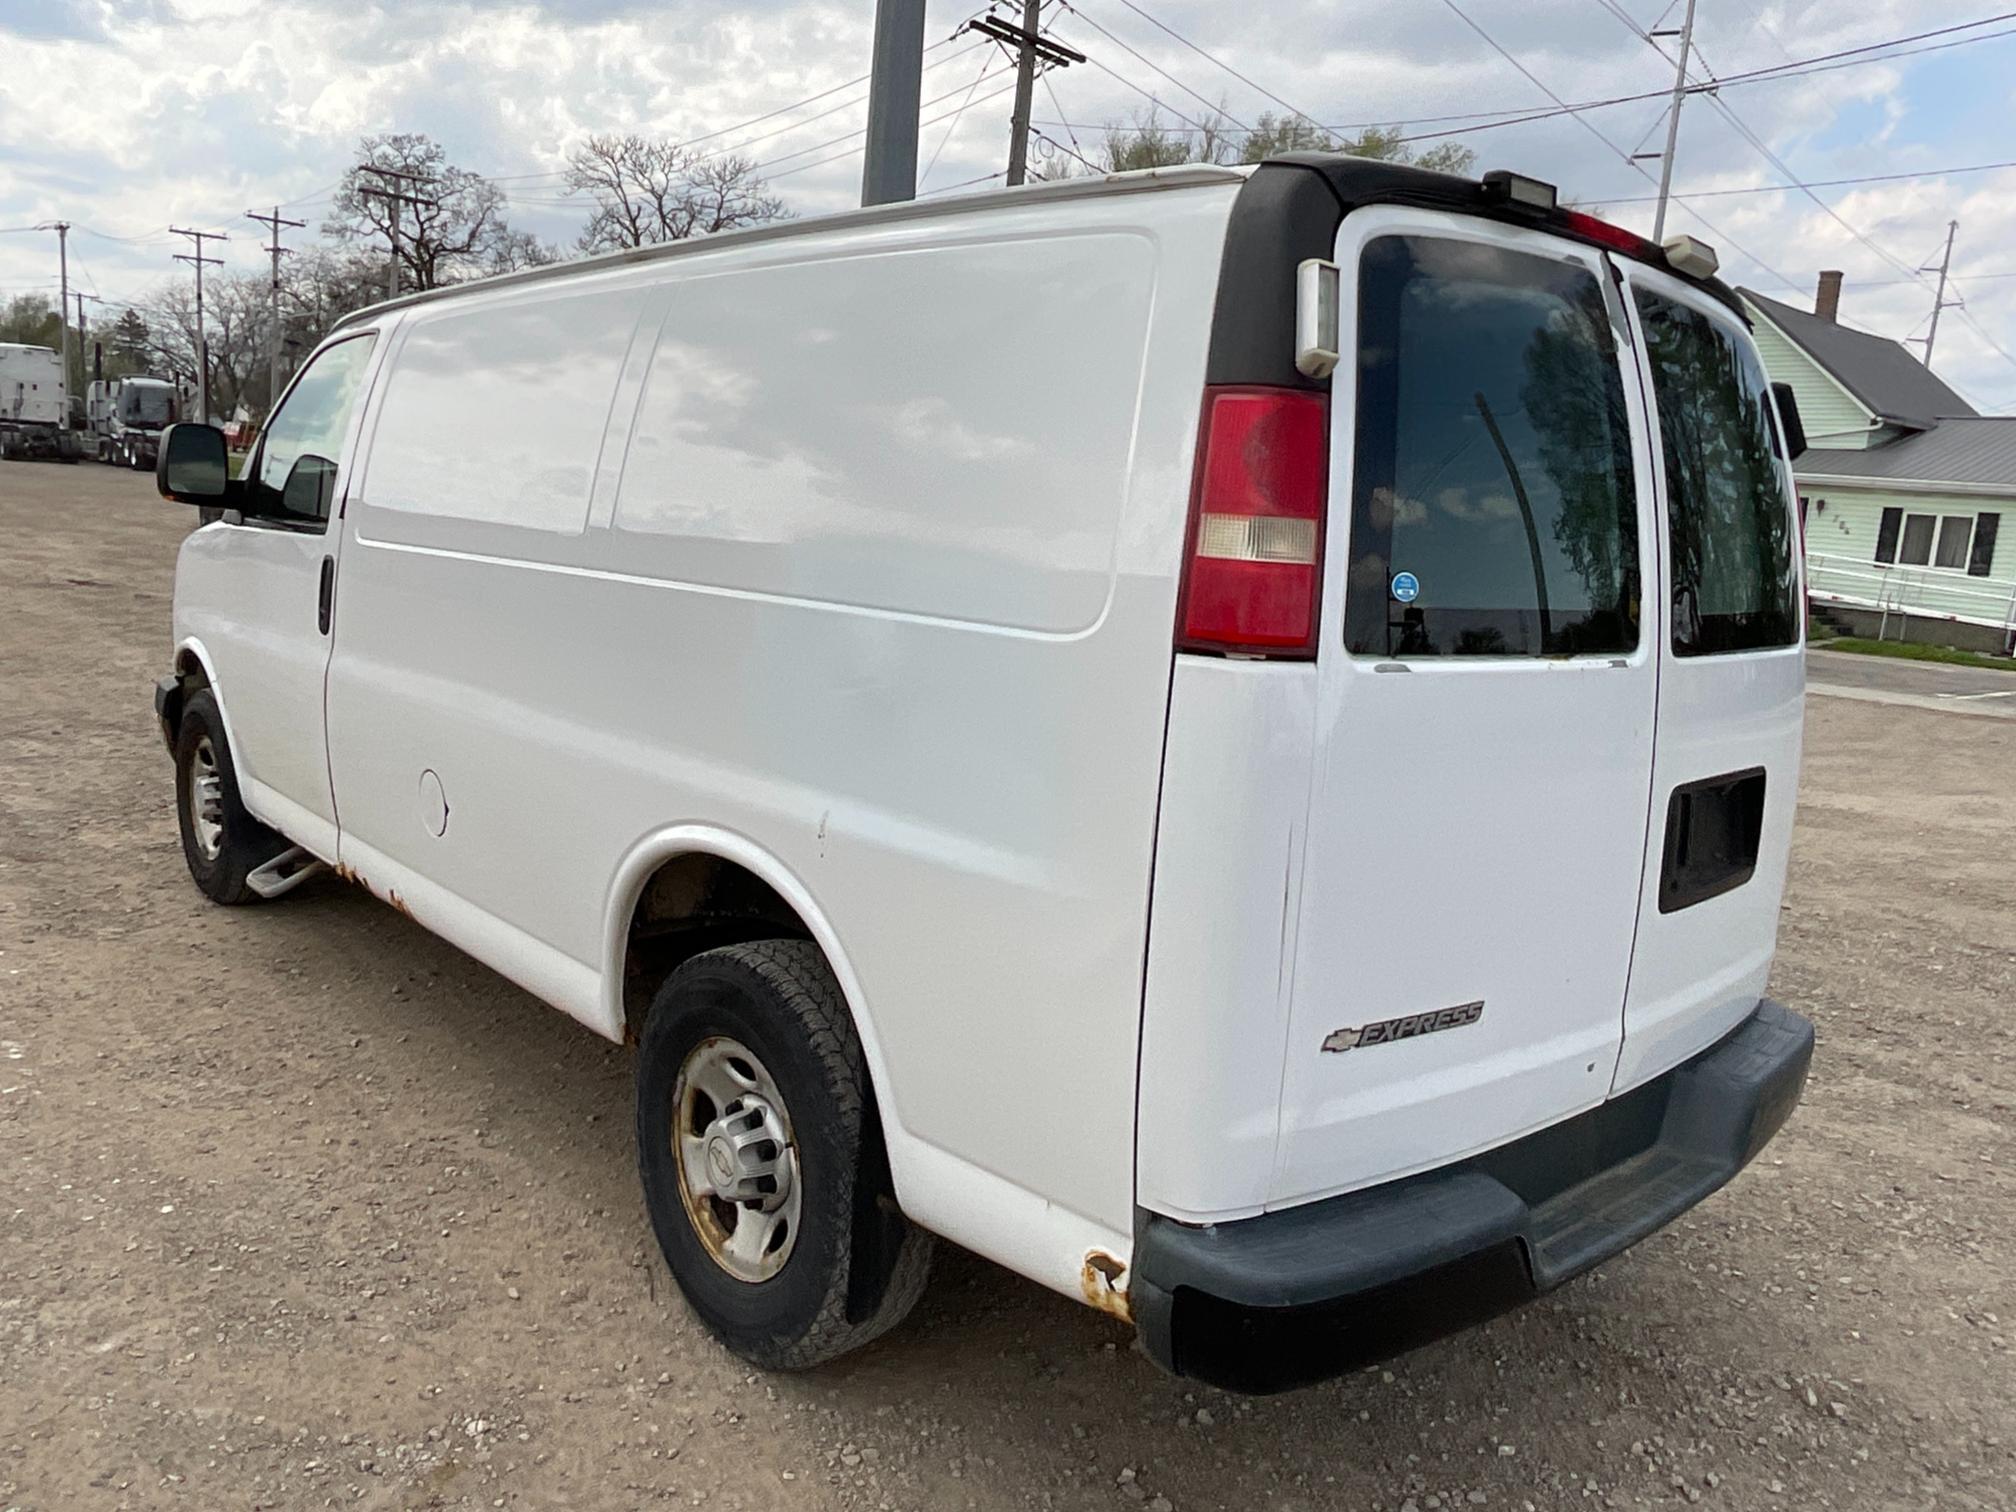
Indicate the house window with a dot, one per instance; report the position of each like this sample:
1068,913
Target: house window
1951,542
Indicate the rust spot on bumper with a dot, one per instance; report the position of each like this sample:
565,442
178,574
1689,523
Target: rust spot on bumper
1101,1281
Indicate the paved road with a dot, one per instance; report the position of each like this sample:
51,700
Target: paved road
299,1207
1890,679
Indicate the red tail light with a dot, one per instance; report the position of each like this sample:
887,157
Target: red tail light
1589,228
1253,562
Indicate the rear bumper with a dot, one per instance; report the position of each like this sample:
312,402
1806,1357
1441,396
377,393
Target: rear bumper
1308,1292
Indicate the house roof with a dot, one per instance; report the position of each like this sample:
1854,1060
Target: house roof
1974,449
1881,373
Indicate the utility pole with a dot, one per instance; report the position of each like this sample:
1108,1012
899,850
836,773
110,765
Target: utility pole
1673,121
62,230
395,199
197,261
274,222
1031,49
83,341
1939,300
895,84
1025,92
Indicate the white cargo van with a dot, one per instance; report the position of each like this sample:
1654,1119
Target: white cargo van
1033,755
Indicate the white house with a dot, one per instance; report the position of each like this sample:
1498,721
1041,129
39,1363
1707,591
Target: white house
1903,488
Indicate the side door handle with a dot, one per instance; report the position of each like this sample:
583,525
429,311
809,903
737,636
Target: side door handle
327,598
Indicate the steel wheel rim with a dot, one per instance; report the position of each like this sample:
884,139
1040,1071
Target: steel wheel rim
206,799
737,1159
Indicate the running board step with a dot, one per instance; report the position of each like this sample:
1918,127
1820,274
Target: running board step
284,872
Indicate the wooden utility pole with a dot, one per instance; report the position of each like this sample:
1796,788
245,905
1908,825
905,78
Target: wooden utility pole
198,260
395,198
62,230
1025,92
1032,49
274,222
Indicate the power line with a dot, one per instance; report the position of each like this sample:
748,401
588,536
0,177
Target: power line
1534,79
1839,183
1219,108
1220,62
986,67
863,132
1820,63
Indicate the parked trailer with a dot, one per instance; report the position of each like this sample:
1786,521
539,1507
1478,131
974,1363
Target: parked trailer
127,416
32,422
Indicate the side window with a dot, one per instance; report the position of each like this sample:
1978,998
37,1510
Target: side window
1735,581
1493,511
295,469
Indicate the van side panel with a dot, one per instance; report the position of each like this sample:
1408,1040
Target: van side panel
888,589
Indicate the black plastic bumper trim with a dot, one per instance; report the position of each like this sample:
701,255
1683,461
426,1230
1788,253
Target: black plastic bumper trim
168,708
1308,1292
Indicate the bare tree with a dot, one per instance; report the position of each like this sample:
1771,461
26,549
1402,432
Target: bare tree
521,249
648,191
1148,143
237,327
436,243
1272,135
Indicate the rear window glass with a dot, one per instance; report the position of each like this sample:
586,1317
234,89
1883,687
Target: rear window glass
1735,587
1493,512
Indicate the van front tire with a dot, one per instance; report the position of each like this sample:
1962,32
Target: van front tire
749,1060
221,841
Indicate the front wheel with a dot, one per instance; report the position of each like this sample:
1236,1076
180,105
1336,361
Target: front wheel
762,1161
221,841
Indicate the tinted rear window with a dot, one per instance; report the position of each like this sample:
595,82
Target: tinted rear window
1735,587
1493,512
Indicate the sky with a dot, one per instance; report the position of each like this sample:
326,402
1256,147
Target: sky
127,116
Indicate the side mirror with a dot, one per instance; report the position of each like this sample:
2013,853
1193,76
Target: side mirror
310,483
194,466
1791,430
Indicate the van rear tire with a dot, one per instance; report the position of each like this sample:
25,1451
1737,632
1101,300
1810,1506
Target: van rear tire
221,841
742,1044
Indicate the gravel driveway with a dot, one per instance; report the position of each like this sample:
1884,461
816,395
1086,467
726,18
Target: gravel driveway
301,1208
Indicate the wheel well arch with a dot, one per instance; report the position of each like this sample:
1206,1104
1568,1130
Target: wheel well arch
689,902
683,860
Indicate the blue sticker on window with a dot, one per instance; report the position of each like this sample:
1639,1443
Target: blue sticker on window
1406,587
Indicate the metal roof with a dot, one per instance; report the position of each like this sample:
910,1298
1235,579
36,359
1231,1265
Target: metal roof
1889,381
1973,450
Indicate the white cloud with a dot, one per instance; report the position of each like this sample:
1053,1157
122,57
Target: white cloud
201,109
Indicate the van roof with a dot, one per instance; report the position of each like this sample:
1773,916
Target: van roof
1188,175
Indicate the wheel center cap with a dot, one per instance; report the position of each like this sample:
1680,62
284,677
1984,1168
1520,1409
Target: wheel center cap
720,1160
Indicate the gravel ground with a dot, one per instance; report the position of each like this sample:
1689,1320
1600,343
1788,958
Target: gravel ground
301,1208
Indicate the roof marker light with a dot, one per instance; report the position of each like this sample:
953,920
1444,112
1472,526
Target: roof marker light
1687,254
1520,190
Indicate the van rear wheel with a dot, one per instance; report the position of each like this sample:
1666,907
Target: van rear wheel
761,1158
221,841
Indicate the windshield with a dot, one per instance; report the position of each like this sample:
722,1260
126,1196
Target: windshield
147,404
1735,583
1493,510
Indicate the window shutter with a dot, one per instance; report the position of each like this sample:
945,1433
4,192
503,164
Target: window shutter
1983,556
1886,535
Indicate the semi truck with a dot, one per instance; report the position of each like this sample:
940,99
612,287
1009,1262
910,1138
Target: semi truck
33,418
127,416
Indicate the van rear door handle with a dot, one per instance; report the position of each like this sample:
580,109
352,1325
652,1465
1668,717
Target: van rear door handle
328,594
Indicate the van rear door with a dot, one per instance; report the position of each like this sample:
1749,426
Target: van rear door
1487,691
1732,680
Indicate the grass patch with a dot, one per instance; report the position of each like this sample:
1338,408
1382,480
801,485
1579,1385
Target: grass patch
1912,651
